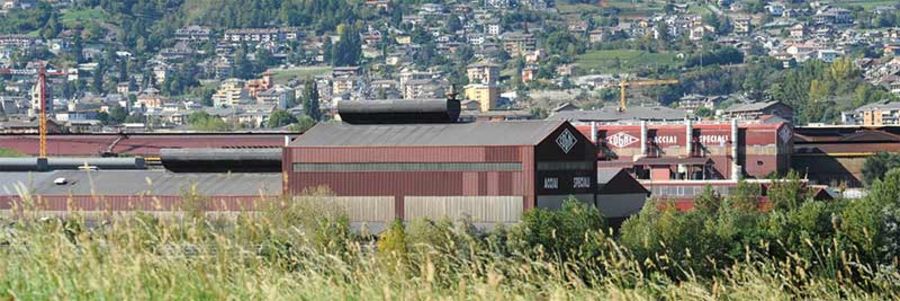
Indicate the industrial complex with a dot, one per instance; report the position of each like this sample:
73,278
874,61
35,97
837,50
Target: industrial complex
414,159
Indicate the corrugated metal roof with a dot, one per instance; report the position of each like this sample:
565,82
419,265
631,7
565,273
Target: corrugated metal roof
12,182
148,182
755,106
609,114
457,134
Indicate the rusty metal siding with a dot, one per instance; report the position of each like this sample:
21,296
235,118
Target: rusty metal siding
528,177
371,209
481,209
404,154
405,183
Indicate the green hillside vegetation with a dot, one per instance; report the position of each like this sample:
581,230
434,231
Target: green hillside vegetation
617,61
80,16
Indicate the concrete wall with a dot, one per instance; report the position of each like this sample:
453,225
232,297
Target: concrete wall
481,209
370,209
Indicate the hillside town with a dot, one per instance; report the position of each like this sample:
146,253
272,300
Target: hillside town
506,59
450,149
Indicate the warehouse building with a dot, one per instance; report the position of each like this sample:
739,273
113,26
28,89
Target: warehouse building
134,190
490,172
835,155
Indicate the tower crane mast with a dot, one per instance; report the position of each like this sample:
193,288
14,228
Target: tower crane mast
42,74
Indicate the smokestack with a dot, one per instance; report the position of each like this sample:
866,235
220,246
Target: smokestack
735,168
689,137
643,138
287,140
594,132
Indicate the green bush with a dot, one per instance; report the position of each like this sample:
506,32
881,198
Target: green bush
562,233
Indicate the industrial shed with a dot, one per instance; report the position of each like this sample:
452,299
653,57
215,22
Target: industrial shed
490,172
129,190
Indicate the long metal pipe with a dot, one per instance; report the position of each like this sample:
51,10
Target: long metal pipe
594,132
644,135
689,137
735,167
43,164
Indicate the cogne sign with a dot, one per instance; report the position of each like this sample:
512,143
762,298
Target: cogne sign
621,139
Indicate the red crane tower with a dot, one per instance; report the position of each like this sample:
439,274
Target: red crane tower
42,74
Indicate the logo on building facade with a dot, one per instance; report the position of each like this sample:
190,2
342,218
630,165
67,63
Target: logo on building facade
785,134
566,141
621,139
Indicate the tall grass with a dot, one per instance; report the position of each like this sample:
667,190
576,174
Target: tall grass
302,250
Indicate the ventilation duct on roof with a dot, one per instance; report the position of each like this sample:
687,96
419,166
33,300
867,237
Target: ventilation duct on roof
221,160
401,111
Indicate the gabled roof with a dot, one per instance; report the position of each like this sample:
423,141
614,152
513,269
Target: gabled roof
881,105
617,181
749,107
607,114
454,134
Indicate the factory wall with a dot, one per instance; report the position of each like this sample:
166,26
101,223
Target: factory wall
565,172
490,184
762,148
420,179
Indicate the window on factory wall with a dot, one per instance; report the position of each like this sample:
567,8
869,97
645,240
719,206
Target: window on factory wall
372,167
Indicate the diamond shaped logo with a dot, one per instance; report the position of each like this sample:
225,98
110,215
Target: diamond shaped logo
785,134
566,141
621,139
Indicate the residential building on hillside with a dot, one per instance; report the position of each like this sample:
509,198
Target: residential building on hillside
753,111
483,73
424,89
36,100
695,101
876,114
193,34
231,93
742,25
485,94
517,43
261,35
256,86
282,97
149,99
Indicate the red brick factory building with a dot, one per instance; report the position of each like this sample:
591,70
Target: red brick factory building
491,171
399,168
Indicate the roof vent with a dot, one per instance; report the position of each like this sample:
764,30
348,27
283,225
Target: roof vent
60,181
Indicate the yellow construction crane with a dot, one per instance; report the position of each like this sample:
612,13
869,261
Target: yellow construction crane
42,74
639,83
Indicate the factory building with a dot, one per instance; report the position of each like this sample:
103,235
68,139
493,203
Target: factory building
489,171
694,151
835,155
